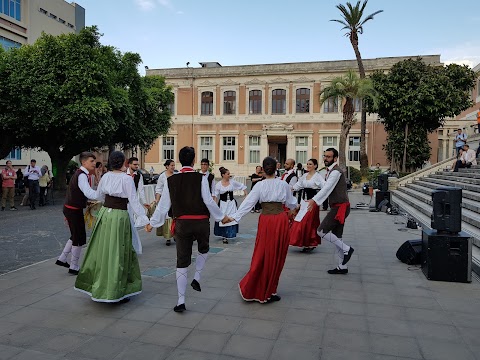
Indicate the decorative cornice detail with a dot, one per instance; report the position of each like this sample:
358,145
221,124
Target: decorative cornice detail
255,81
207,83
303,79
277,127
279,80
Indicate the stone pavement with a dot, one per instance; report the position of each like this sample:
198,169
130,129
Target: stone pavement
383,309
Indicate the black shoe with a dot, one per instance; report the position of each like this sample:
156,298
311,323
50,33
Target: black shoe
61,263
168,243
3,208
347,256
179,308
225,241
195,285
274,298
123,301
73,272
338,271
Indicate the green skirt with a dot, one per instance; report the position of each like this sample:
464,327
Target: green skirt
164,230
110,270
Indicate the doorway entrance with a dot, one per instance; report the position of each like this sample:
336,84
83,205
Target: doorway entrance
277,148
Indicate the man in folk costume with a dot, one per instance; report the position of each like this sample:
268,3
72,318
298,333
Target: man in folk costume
188,194
204,166
78,192
290,175
137,177
331,228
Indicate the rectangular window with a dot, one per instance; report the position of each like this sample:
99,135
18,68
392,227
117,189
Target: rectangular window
11,8
15,154
207,103
168,148
229,101
354,148
301,149
171,108
206,146
229,148
254,149
330,141
303,100
357,104
279,102
330,105
255,102
8,44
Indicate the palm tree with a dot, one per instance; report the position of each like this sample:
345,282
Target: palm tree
352,22
347,88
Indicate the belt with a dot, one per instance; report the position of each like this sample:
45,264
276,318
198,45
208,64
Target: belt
272,208
186,217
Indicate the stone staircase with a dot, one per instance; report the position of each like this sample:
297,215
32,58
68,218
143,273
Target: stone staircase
413,196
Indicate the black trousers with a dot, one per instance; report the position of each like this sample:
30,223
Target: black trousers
186,232
34,190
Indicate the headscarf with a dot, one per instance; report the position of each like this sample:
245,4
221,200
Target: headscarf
44,169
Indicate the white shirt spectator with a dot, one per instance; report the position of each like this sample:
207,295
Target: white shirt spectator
33,172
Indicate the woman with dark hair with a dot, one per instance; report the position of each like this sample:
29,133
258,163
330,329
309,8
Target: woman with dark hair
164,230
303,232
271,245
224,193
110,271
256,177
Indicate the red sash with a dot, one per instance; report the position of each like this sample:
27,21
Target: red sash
72,207
342,210
186,217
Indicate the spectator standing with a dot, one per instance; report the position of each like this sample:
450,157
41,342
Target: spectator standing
43,182
33,172
256,177
8,186
460,140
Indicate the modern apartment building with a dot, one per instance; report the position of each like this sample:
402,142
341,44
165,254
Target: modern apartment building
237,115
22,22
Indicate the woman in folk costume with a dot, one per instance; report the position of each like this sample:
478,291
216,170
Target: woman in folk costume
224,193
164,230
271,245
303,232
110,270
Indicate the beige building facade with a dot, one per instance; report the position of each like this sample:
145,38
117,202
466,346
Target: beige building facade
237,115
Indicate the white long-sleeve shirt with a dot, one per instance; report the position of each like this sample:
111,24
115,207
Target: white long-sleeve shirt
162,180
121,185
232,186
84,186
213,181
140,190
315,182
268,190
330,183
470,156
160,214
33,172
294,179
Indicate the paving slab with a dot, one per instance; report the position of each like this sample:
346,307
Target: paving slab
382,310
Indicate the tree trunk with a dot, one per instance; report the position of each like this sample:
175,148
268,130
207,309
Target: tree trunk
59,168
346,126
6,145
404,164
363,122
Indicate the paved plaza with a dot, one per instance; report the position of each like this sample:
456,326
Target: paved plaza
382,310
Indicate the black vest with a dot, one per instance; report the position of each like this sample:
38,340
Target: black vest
75,196
136,179
290,177
186,194
210,181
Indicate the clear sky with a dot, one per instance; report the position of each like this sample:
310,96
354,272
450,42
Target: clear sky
170,33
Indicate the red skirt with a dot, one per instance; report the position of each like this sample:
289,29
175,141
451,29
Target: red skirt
271,247
304,233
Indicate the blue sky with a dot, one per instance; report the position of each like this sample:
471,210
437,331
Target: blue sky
169,33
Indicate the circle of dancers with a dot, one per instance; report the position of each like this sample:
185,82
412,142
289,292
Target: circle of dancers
185,201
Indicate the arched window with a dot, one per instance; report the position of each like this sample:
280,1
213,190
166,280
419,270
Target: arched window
303,100
207,103
255,101
229,101
279,101
330,105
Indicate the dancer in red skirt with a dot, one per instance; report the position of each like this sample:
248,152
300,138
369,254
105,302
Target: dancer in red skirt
303,232
271,246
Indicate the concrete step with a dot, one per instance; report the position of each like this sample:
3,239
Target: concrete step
469,170
451,182
421,212
426,187
466,204
455,177
460,174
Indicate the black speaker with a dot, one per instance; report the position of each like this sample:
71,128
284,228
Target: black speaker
410,252
380,196
447,257
447,211
382,182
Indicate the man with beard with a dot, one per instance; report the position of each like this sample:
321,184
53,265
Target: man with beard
331,228
290,175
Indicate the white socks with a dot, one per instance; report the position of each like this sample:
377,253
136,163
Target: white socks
181,284
199,265
66,250
76,252
341,248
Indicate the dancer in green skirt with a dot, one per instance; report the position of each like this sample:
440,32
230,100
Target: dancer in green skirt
110,270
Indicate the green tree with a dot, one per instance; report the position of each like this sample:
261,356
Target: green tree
346,88
414,99
353,21
67,94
